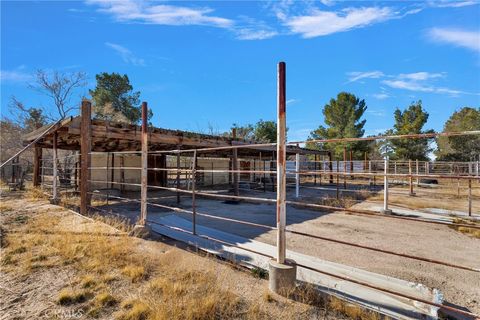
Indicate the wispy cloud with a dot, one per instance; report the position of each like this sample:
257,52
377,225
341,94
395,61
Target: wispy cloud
252,29
381,96
126,54
419,81
451,3
145,12
356,75
15,76
457,37
322,23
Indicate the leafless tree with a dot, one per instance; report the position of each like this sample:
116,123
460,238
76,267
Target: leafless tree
60,87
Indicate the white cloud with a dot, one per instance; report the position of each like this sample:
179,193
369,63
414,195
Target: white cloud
457,37
322,23
419,76
291,101
355,75
14,76
253,34
451,4
126,54
144,12
421,86
381,96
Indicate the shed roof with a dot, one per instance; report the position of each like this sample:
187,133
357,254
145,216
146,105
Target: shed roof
110,136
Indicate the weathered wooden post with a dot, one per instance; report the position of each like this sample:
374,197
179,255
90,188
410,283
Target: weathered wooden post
37,158
315,169
178,175
144,173
55,169
85,159
282,272
385,209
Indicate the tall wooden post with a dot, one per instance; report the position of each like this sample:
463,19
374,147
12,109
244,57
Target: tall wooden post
144,180
315,175
55,169
85,146
281,161
37,158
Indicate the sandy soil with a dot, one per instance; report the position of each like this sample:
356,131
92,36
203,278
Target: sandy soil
33,295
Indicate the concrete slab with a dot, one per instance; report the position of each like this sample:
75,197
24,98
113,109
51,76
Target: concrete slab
390,305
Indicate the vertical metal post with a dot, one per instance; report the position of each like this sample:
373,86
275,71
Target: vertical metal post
55,169
351,164
297,175
417,170
235,165
410,178
144,180
470,197
194,179
122,173
85,145
331,166
281,157
112,172
338,177
77,162
178,175
369,171
344,167
385,209
106,176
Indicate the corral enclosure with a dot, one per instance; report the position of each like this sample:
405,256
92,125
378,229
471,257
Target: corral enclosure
412,220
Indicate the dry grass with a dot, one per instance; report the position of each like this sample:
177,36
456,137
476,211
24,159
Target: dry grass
161,287
351,311
35,193
470,231
114,276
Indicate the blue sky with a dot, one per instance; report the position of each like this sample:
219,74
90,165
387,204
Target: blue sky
211,64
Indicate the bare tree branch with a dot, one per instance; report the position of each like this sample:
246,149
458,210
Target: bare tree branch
60,87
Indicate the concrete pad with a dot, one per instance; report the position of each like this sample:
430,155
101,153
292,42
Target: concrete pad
390,305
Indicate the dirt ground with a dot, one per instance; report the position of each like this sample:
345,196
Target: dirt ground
42,257
460,287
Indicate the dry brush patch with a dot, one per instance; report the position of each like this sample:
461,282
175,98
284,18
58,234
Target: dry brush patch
112,275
